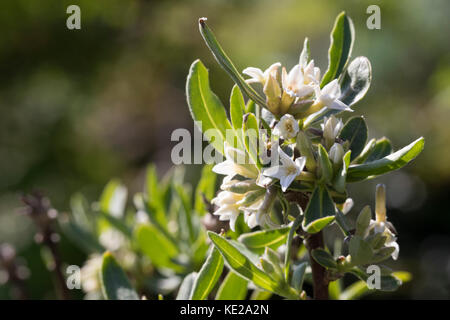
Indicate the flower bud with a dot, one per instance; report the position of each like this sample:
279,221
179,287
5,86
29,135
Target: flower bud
305,147
336,154
240,186
380,204
251,197
272,91
331,129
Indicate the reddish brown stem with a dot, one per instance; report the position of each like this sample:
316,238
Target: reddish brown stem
320,281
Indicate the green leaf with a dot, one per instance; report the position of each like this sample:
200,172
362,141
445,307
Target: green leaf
365,152
287,257
258,294
113,198
251,137
237,107
342,37
387,282
319,212
81,237
355,133
305,54
206,188
355,291
233,287
326,168
240,264
157,247
186,212
363,221
356,81
205,106
299,276
226,63
257,241
324,258
334,289
207,276
117,223
115,284
184,292
389,163
339,182
381,149
360,251
154,198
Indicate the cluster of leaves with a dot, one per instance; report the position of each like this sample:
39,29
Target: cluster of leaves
155,243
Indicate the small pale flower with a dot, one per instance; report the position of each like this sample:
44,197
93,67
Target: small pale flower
234,164
258,76
294,82
381,225
311,74
228,203
287,171
329,95
287,127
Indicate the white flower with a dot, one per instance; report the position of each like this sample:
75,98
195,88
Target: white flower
328,96
311,74
257,75
381,225
331,128
287,171
235,163
287,127
294,83
228,203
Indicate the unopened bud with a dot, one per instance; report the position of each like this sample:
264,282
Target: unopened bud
336,154
240,186
380,203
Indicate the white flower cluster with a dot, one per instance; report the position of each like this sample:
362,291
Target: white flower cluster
296,91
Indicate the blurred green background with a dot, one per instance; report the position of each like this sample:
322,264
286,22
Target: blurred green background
78,107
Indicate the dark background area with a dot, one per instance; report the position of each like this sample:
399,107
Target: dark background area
78,107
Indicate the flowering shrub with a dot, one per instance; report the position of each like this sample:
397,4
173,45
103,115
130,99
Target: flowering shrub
289,157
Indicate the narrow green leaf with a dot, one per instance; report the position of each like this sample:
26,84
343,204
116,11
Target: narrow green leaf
207,276
363,221
258,294
326,168
205,106
319,212
381,149
115,284
299,276
237,107
389,163
156,247
226,63
185,290
342,37
206,188
113,198
257,241
241,264
251,137
186,212
305,54
81,237
365,152
356,81
324,258
154,197
388,282
355,291
233,287
287,257
339,182
334,289
355,133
